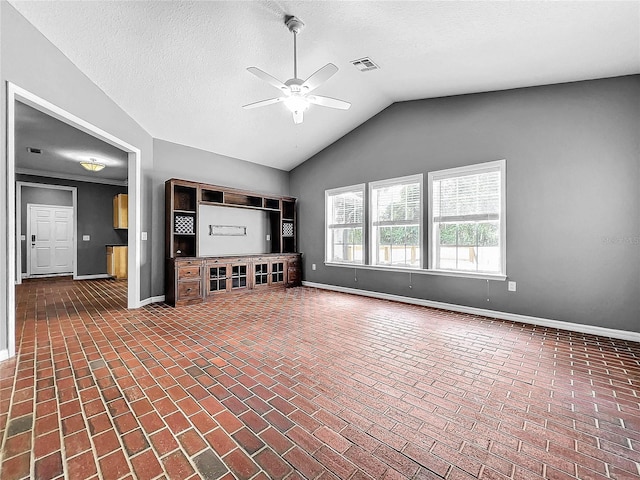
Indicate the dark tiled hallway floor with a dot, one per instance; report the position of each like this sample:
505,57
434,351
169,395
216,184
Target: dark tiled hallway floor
306,383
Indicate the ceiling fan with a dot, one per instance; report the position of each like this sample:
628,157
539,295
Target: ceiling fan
296,92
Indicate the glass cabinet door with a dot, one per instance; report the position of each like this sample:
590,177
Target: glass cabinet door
277,272
261,274
239,276
217,279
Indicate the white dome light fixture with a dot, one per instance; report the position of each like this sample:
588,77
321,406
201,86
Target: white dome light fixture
92,165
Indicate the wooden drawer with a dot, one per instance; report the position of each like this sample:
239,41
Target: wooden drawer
188,263
188,272
189,289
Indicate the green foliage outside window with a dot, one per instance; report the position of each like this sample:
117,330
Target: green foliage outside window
400,235
469,234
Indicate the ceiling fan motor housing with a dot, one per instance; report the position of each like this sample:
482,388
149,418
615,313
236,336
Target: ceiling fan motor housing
296,85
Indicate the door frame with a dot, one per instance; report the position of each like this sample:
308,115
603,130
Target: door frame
74,198
16,93
74,245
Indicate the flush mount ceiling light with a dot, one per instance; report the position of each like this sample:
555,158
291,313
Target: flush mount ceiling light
92,165
296,91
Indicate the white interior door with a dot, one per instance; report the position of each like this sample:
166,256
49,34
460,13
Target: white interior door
49,239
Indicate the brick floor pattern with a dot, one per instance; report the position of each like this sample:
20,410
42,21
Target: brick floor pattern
304,383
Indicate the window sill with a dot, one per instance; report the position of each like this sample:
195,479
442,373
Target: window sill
421,271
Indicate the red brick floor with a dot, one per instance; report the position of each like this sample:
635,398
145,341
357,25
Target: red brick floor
307,384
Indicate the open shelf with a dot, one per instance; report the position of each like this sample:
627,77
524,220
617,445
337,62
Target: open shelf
184,246
271,204
184,198
288,209
211,196
243,200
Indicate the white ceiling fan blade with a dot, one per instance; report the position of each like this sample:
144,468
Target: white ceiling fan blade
268,78
318,78
297,117
328,102
264,103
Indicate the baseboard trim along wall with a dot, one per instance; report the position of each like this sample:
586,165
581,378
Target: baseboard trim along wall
514,317
150,300
93,277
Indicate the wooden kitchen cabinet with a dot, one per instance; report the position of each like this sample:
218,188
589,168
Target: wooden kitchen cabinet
121,211
117,261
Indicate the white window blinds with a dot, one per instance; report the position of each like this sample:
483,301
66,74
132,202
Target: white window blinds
466,218
344,242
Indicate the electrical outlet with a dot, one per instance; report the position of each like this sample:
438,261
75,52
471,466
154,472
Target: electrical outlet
511,286
313,266
143,235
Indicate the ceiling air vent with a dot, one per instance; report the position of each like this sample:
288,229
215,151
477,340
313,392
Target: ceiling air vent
364,64
37,151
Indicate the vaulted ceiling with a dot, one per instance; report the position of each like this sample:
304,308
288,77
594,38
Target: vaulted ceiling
179,68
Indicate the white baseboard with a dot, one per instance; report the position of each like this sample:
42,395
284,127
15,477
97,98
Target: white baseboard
150,300
514,317
92,277
4,354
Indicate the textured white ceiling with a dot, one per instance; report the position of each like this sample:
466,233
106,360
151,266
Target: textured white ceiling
179,68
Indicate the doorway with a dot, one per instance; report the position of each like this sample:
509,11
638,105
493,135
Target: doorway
50,238
7,292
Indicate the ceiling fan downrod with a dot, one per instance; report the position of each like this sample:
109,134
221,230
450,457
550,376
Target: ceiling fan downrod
295,25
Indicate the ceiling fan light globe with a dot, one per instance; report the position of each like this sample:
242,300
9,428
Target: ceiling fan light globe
296,103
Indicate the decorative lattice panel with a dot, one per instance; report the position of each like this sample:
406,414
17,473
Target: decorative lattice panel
184,224
287,229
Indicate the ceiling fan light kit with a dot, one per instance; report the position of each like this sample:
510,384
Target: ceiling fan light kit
296,91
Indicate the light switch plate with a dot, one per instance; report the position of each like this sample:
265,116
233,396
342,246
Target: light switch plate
511,286
144,235
23,237
268,237
86,238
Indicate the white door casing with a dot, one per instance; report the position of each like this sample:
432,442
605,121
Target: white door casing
49,240
7,204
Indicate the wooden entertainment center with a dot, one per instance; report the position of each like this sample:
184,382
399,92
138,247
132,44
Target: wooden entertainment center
191,278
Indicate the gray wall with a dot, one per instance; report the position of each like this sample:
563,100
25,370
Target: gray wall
573,195
172,160
94,218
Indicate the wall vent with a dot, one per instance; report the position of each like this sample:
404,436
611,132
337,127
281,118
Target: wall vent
37,151
364,64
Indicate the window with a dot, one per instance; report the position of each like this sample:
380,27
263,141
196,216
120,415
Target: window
344,225
396,221
467,219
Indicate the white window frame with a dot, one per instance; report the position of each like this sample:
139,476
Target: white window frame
328,228
418,178
499,165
